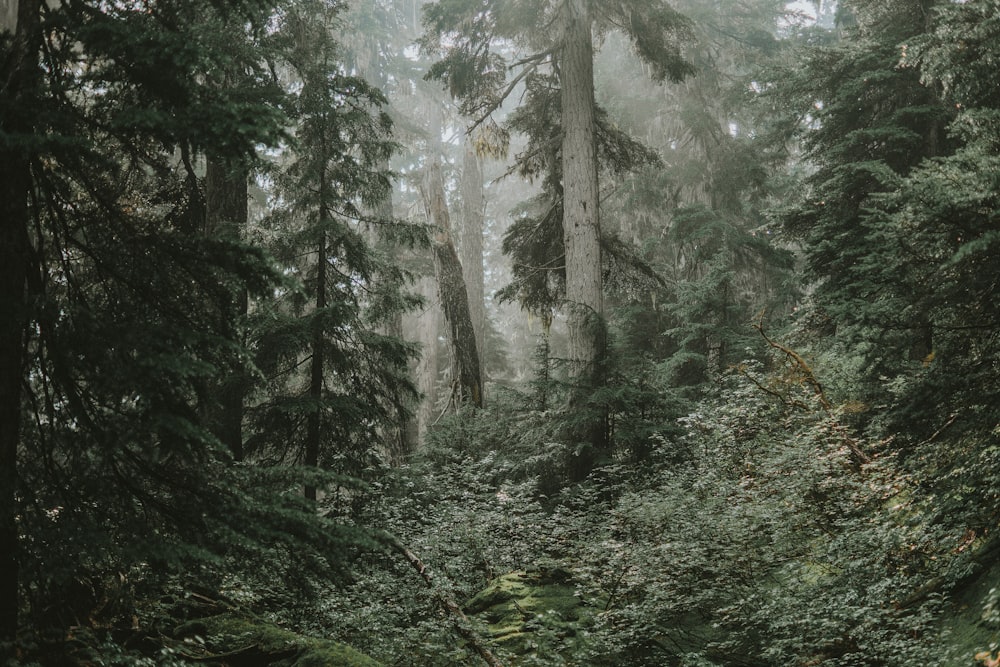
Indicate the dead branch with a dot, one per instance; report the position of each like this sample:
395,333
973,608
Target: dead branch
810,379
799,362
462,624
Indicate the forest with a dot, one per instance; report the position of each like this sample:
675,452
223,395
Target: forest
431,333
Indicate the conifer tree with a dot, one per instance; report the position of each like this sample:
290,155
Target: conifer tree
115,293
938,284
553,41
105,293
472,246
332,322
869,124
700,216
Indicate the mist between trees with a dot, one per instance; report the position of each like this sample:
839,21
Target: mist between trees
505,332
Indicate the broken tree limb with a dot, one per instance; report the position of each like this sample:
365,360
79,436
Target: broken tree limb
810,379
462,624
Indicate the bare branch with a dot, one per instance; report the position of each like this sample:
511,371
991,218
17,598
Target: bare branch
462,624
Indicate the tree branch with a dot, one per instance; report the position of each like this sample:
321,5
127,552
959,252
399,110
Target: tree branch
462,624
531,64
810,379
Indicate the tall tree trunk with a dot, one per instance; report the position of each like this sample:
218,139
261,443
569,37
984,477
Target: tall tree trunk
8,16
427,327
472,247
14,184
454,297
17,71
581,220
401,437
226,199
314,423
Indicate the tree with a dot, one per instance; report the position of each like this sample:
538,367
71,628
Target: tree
471,245
226,211
19,37
941,221
116,293
700,217
468,382
866,124
477,40
581,202
334,321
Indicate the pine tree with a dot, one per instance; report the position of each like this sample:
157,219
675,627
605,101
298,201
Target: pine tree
331,322
700,215
869,124
941,222
471,244
474,70
117,291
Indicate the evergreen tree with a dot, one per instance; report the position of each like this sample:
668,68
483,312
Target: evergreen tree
123,320
700,215
556,46
940,221
108,290
868,124
471,244
331,322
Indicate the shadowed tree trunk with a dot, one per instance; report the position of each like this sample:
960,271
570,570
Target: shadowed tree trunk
314,432
17,70
454,297
14,184
226,212
581,221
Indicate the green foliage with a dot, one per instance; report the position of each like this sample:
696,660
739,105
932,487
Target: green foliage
221,633
829,499
898,219
121,478
539,616
534,242
332,174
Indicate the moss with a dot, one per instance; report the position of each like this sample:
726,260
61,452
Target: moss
328,654
230,632
525,608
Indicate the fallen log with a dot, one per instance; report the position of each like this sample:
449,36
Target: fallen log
462,624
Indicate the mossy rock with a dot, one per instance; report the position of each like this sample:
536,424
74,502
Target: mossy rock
237,639
527,608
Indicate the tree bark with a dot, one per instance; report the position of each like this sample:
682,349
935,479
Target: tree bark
581,219
452,290
18,68
226,198
462,623
472,247
8,16
427,325
401,437
314,432
14,184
